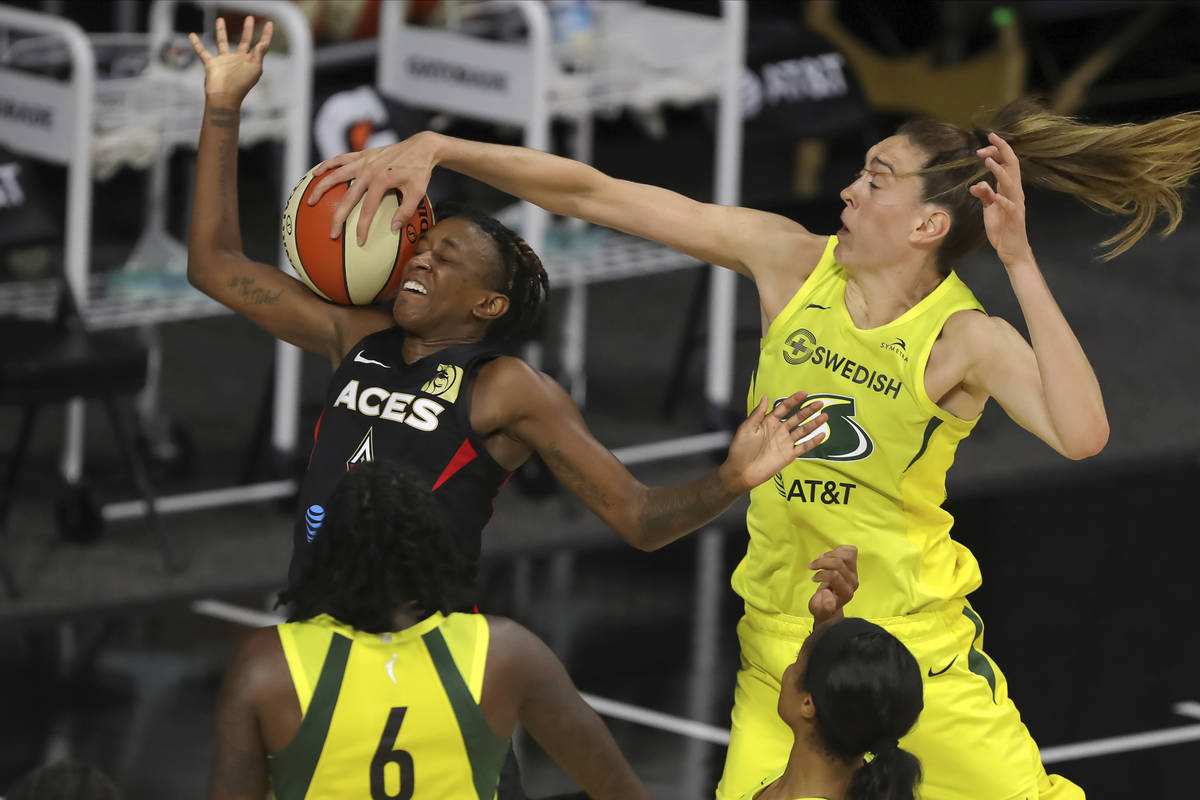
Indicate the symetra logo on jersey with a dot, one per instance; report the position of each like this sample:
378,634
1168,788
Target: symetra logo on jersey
845,438
372,401
801,347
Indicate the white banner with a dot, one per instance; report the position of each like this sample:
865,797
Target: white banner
471,77
37,116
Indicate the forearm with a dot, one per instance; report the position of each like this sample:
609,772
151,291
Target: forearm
215,229
556,184
1071,390
668,512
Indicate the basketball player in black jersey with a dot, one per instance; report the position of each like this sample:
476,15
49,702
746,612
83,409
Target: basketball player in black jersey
426,385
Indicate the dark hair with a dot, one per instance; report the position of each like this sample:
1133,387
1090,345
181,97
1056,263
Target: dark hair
383,545
1133,170
867,691
64,780
522,278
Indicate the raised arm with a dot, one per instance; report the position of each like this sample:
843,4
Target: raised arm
762,246
1048,388
532,409
526,682
217,266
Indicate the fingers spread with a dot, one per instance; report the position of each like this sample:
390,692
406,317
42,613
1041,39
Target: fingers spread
222,38
199,48
806,413
247,35
264,43
784,407
354,192
800,432
370,205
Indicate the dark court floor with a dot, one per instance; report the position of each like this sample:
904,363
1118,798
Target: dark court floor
1089,595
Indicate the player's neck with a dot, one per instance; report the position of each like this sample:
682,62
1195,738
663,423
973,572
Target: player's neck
407,616
417,346
876,297
811,773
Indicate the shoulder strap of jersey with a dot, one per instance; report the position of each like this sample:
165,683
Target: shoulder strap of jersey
485,749
292,769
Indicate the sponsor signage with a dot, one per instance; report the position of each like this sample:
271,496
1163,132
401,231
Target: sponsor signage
472,77
37,116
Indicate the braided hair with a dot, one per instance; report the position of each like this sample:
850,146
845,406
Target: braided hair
867,691
383,545
520,277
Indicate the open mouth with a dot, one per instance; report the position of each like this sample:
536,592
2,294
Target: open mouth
413,286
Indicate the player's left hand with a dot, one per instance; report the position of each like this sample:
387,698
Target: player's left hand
771,438
837,572
1004,206
233,73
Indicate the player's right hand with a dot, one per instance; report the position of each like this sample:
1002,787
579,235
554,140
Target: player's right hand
837,572
405,166
232,74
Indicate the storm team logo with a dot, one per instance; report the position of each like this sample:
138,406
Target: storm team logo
845,438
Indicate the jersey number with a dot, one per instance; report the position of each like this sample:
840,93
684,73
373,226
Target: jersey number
386,754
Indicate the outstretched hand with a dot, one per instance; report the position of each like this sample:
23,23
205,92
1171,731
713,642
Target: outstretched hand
405,166
233,73
1004,206
771,438
837,572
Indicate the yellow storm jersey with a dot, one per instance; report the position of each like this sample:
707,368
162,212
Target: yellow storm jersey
877,481
389,715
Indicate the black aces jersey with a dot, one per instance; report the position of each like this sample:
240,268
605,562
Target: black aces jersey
380,408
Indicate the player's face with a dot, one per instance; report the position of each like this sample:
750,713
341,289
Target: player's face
450,273
883,205
790,691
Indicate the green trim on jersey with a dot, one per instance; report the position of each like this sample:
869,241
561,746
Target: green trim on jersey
485,749
977,662
292,769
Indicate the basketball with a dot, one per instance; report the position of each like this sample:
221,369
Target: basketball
338,269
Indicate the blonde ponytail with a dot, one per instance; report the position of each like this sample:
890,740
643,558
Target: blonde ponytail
1135,170
1132,170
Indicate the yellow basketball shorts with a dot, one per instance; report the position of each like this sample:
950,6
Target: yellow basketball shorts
969,738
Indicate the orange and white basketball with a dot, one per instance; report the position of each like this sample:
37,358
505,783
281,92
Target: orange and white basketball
338,269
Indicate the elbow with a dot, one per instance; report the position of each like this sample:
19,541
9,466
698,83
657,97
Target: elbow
637,537
1090,443
193,271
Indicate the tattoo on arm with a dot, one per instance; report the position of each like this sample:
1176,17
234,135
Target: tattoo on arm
672,511
253,295
575,480
223,117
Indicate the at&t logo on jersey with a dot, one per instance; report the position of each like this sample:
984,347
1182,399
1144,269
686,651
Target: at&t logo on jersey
417,412
313,518
845,438
829,493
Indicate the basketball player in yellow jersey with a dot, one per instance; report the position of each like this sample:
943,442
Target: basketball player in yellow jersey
371,692
875,320
852,692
